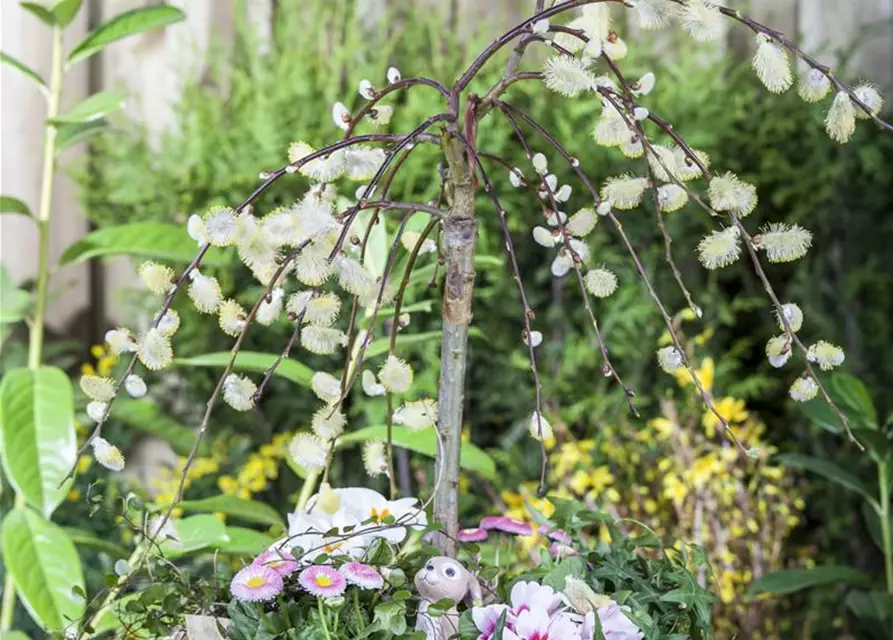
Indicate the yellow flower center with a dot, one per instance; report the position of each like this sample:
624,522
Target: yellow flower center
323,580
379,516
329,548
256,582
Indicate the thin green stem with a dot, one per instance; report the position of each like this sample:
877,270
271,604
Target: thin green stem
135,562
322,619
886,534
307,489
35,347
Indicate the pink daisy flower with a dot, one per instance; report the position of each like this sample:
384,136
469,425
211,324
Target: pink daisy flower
476,534
559,550
506,524
362,575
279,560
558,535
256,583
322,581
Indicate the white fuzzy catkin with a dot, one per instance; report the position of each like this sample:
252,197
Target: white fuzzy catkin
804,389
96,410
624,192
872,99
409,240
770,62
396,375
394,75
322,340
567,76
669,359
204,291
686,168
120,340
232,318
371,386
157,278
671,197
98,388
341,116
653,14
362,163
540,164
195,227
540,27
238,392
611,130
538,427
309,451
793,314
720,248
270,310
828,356
323,310
375,459
534,339
582,223
326,387
702,20
840,123
729,193
544,237
135,386
778,350
600,282
417,415
614,47
328,423
644,85
355,278
381,115
662,161
220,226
154,350
813,86
107,454
367,90
783,242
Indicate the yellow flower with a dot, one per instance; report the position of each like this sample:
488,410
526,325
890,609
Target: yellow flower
704,373
579,482
732,409
663,426
84,464
600,478
74,495
228,485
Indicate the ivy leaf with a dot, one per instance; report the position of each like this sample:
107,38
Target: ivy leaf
124,25
26,71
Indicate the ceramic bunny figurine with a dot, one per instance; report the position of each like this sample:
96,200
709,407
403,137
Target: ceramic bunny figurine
440,578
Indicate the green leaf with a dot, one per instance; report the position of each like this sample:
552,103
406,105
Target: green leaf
14,302
147,417
195,533
377,245
66,11
69,135
143,240
789,581
9,204
823,415
245,542
829,471
424,442
45,565
247,510
39,443
14,635
88,540
876,442
873,524
26,71
871,606
41,12
252,361
124,25
850,392
92,108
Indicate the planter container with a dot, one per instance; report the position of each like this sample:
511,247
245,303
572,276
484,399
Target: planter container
204,627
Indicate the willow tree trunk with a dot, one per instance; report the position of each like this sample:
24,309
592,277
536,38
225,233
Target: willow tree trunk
459,238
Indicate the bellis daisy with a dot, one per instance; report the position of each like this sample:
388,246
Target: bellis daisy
309,451
361,575
107,454
322,581
279,560
256,583
396,375
417,415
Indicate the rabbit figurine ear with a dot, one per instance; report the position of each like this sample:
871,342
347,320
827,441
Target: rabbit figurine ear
474,591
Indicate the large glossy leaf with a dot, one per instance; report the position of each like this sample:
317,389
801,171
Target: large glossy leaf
70,134
147,417
8,204
14,302
25,70
124,25
792,580
245,542
37,424
196,533
424,442
40,12
143,240
88,540
65,11
252,361
46,568
247,510
829,471
92,108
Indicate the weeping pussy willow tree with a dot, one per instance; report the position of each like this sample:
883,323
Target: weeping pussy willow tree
310,256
